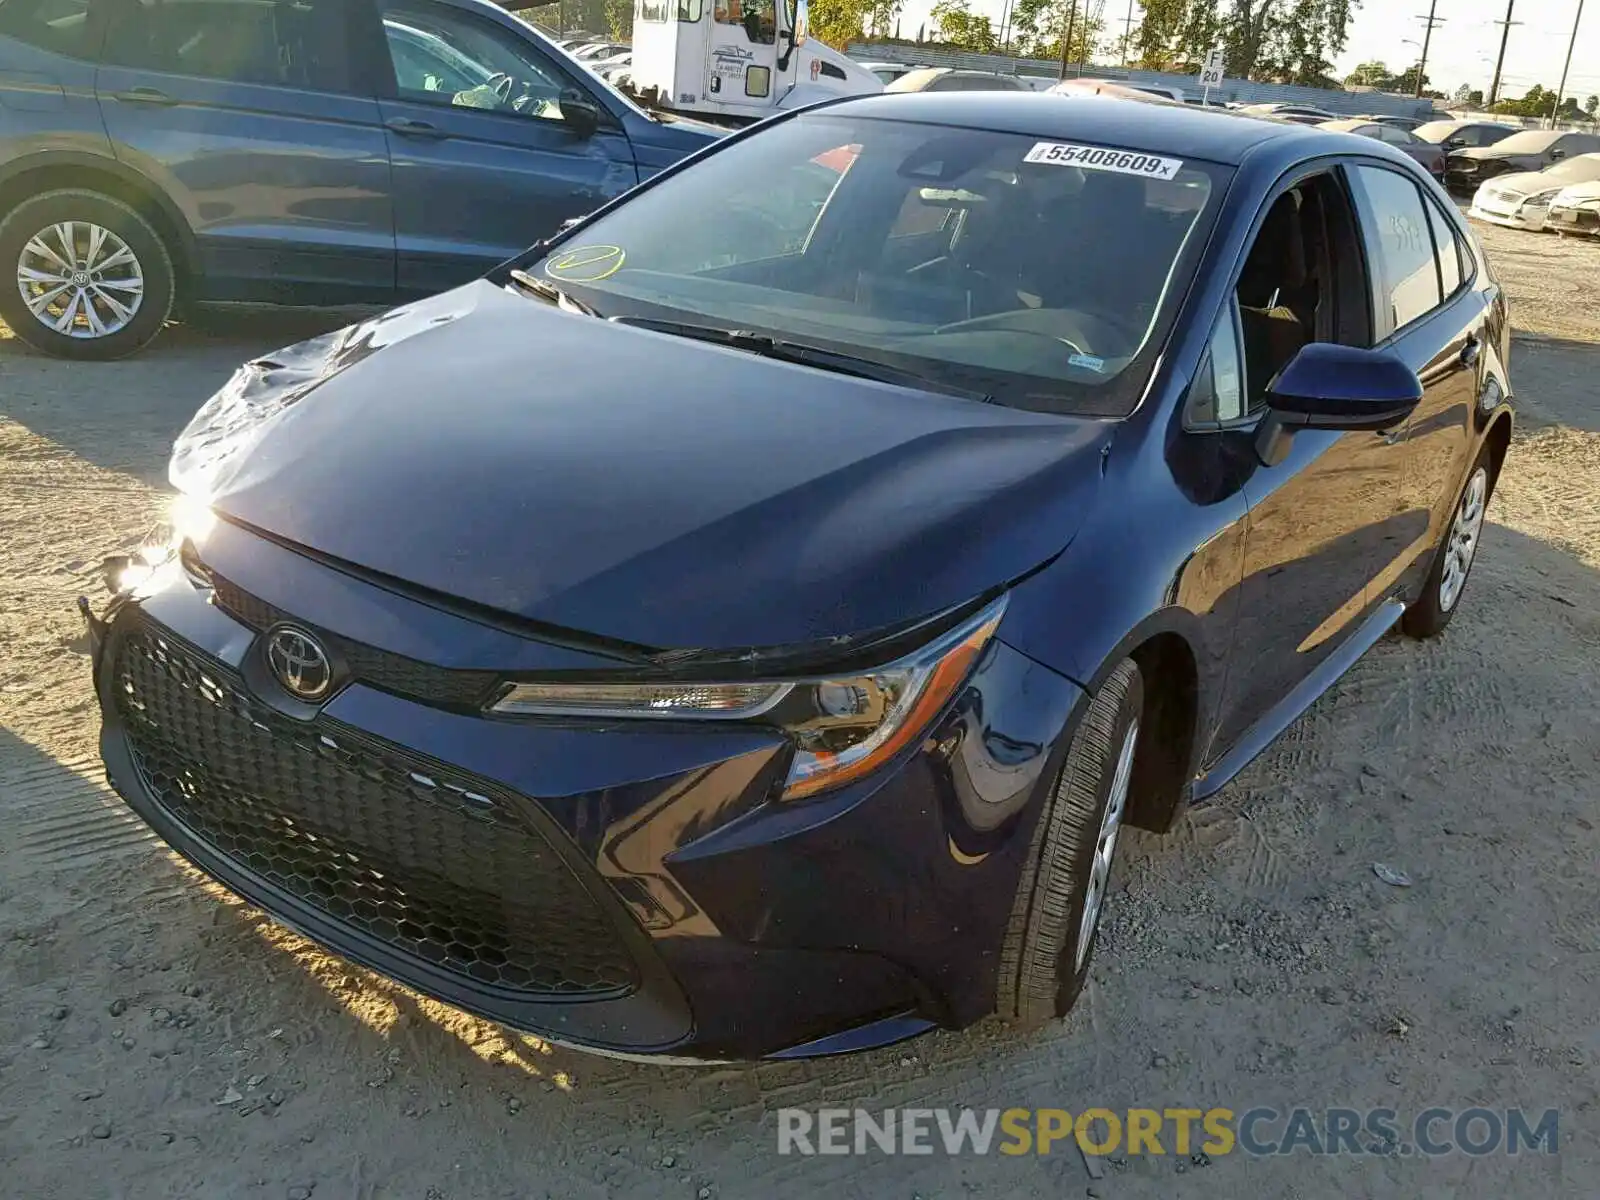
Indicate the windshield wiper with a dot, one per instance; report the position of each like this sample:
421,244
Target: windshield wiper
805,355
546,290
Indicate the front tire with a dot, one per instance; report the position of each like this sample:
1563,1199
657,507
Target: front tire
1044,962
91,279
1452,561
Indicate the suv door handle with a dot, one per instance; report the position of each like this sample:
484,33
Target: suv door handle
1470,352
144,95
406,127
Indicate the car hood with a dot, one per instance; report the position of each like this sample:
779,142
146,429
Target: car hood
1579,193
1482,154
640,487
1520,183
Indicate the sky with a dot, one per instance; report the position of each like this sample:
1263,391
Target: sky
1464,46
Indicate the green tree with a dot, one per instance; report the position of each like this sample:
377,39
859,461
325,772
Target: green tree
1037,27
959,26
840,22
1475,98
1372,74
1407,81
1288,40
1592,106
619,19
1535,102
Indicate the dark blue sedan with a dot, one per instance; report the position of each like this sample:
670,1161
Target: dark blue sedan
741,626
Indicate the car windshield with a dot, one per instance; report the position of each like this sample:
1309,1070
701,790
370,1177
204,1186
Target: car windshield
1583,169
1530,141
1037,272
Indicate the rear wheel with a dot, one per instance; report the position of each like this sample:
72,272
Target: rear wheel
1056,914
1453,560
92,279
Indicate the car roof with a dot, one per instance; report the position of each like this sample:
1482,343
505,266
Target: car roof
1347,123
1215,135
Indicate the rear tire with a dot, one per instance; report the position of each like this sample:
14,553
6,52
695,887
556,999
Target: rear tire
1044,962
89,278
1453,559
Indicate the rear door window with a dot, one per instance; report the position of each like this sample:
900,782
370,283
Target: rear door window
59,26
285,43
1449,248
1401,245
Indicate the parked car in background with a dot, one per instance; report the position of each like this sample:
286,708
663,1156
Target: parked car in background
1430,156
888,72
1529,150
1464,135
1300,114
1525,199
325,152
817,725
950,79
1108,88
1409,124
1576,209
596,51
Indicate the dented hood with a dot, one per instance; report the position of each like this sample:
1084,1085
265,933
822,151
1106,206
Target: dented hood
634,485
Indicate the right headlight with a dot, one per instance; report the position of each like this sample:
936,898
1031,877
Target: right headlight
843,727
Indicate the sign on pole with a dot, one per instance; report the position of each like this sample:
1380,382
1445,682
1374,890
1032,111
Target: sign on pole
1211,71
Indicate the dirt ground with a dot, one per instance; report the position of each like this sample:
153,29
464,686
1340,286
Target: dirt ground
159,1039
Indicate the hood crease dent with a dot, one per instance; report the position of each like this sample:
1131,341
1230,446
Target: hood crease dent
646,489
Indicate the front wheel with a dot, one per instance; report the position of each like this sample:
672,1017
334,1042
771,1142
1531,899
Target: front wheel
1452,562
1056,915
93,280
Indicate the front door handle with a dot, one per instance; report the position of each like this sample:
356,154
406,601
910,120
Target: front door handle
144,95
406,127
1470,352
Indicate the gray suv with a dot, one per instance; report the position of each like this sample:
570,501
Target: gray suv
162,152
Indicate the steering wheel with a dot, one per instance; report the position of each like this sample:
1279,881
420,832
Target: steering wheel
501,84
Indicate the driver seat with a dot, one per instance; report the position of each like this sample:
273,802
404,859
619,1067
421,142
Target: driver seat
1274,272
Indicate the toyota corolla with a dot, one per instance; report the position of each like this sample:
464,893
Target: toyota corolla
741,626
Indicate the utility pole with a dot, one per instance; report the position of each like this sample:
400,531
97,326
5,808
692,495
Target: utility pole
1066,42
1427,39
1127,31
1561,92
1505,36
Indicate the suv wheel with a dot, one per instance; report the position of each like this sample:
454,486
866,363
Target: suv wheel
93,280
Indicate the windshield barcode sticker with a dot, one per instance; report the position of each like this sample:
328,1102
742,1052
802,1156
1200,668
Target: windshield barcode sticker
1098,158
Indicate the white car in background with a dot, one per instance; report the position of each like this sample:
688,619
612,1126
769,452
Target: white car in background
1525,199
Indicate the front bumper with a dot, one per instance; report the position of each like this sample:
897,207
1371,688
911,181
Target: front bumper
1510,214
1574,220
626,890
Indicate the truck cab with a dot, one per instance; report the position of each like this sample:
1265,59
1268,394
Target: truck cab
735,60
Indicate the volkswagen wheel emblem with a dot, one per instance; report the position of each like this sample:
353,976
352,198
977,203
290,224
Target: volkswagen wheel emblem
299,662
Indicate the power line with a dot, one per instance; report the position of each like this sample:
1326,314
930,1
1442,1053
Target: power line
1427,39
1561,91
1505,36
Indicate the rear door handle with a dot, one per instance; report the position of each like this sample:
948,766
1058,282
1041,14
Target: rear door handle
144,95
406,127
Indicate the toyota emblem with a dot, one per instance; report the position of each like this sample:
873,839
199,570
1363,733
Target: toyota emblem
299,662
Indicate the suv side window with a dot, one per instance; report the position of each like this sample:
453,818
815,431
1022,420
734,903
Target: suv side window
286,43
59,26
448,57
1401,247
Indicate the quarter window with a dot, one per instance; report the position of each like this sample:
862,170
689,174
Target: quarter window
294,43
1449,246
59,26
1218,393
1402,244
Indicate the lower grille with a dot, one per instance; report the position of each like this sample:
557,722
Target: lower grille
434,863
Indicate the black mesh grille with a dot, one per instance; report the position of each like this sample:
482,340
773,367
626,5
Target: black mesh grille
434,863
378,668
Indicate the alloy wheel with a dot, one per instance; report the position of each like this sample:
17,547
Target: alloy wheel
1463,539
80,279
1105,845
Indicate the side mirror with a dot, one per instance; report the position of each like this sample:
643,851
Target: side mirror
1558,152
581,114
1326,386
1454,143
